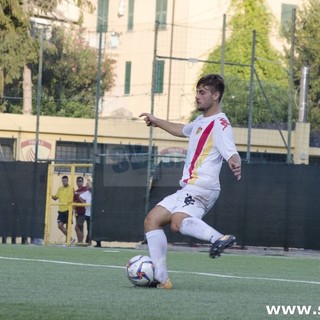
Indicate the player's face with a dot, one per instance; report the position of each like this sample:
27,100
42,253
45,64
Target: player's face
65,182
205,99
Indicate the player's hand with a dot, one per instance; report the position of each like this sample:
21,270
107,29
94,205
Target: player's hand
149,119
235,165
236,169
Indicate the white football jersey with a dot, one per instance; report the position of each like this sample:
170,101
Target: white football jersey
210,141
87,197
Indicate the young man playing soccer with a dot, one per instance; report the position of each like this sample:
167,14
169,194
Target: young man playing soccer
210,141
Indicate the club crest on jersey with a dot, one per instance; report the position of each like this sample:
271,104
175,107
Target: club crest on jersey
224,123
188,200
199,130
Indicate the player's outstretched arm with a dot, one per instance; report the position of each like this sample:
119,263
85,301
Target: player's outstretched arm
235,165
171,127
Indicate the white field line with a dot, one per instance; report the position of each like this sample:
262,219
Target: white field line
216,275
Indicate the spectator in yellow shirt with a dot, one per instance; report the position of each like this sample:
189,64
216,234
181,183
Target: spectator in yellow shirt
65,196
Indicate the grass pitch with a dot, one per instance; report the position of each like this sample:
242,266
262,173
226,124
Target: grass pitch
56,283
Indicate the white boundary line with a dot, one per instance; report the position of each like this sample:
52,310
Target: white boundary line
63,262
216,275
247,278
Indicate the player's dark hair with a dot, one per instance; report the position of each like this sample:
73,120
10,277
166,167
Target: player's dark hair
65,177
214,82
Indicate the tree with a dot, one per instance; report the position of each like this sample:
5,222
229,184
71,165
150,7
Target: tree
43,7
69,80
71,90
249,15
307,46
16,46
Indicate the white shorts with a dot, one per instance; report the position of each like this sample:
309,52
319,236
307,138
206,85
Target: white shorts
191,200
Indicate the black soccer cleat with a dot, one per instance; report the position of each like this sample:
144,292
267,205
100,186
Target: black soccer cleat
222,243
153,284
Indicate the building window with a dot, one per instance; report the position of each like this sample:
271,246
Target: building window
286,16
127,78
161,13
102,16
114,40
7,149
159,76
74,152
120,153
125,158
130,15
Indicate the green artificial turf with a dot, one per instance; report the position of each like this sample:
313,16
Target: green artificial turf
56,283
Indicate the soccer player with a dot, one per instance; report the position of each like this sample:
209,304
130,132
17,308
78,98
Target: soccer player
210,141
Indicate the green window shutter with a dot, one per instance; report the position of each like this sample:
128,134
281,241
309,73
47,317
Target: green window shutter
130,15
102,16
161,13
159,76
127,78
286,16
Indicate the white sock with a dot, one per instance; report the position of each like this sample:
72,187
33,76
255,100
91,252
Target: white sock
197,228
157,244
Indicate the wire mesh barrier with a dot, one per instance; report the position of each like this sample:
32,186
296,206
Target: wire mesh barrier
22,200
251,100
267,207
272,205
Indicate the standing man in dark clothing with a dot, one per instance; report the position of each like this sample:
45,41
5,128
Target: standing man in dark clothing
79,211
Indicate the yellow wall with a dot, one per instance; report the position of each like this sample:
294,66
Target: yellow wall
115,131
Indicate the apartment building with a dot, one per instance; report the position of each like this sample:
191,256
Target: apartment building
187,31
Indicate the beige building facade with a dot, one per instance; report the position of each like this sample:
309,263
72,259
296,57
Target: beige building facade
191,31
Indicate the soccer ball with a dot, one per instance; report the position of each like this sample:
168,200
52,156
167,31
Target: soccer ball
140,270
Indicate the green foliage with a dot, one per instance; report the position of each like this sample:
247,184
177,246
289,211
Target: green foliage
307,45
249,15
69,64
46,5
236,103
16,46
69,79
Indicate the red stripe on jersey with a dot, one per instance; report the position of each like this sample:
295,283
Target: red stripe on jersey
201,144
